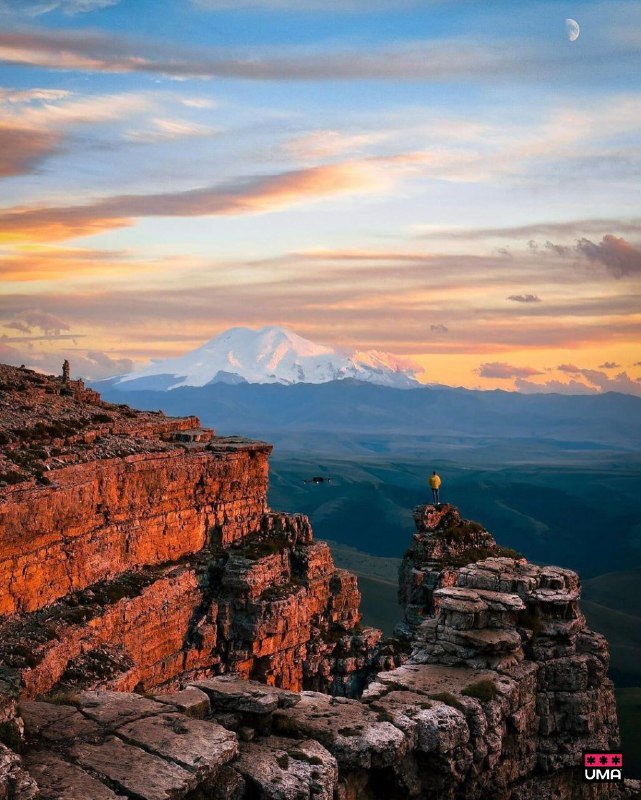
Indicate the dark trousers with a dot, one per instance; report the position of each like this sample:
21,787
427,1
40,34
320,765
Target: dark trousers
435,499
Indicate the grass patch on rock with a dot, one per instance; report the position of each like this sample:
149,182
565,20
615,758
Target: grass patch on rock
484,690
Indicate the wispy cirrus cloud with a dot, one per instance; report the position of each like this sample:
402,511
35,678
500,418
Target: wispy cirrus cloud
50,263
250,196
36,8
572,229
37,123
438,61
168,130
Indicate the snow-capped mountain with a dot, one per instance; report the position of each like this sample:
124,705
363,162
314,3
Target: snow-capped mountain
270,355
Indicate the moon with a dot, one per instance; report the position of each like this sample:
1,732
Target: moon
572,29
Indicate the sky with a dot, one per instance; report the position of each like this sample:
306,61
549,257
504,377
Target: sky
450,180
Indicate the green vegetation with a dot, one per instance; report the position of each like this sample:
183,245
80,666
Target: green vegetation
473,554
261,548
64,698
43,431
12,477
449,699
484,690
461,531
351,731
10,736
20,655
101,418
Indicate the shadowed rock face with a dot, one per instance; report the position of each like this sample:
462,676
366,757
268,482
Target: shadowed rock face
161,569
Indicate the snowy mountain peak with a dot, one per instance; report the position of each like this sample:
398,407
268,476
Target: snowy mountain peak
271,355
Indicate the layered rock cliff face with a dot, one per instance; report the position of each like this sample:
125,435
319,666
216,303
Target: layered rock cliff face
137,550
159,623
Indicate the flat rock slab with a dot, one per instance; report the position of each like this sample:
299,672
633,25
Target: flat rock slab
37,715
191,701
114,708
134,771
288,769
427,679
199,746
230,693
347,728
57,779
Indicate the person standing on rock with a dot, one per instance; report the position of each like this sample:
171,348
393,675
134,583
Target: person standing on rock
435,482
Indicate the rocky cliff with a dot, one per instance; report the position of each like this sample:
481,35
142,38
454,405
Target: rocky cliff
163,634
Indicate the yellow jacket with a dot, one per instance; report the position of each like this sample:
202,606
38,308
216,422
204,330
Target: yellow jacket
435,481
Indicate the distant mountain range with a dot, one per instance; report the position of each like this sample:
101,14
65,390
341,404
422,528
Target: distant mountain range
270,355
354,417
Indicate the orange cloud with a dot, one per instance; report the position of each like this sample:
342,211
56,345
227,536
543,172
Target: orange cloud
258,195
38,263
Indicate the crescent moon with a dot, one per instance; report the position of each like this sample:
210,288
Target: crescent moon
572,29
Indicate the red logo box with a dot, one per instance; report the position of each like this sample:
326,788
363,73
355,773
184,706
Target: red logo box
603,760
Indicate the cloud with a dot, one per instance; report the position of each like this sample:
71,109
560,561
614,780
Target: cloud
166,130
36,123
32,95
112,366
572,229
524,298
198,102
572,369
329,143
597,380
92,365
49,324
460,58
558,249
251,196
503,371
23,149
439,328
556,387
618,256
36,8
41,262
22,327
